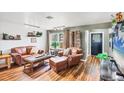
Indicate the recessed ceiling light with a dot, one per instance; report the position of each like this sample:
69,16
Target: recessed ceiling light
49,17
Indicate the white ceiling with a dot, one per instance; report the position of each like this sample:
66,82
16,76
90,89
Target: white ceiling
67,19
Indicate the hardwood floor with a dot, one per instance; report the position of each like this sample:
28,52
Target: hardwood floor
85,71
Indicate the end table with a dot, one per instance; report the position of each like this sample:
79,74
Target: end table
7,59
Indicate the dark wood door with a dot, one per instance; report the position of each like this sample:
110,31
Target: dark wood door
96,43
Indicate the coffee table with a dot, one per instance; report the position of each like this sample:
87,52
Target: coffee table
29,62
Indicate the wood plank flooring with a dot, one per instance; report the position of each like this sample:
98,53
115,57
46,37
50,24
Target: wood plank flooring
85,71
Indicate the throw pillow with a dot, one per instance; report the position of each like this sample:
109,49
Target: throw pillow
67,52
34,50
28,50
23,49
18,50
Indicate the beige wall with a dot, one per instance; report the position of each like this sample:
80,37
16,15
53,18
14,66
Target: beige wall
14,28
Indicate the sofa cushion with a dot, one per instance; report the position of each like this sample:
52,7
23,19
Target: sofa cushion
23,49
18,50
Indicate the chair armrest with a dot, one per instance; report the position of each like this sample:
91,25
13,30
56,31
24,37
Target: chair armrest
79,51
75,57
60,53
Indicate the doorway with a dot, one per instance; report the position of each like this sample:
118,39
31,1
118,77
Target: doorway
96,43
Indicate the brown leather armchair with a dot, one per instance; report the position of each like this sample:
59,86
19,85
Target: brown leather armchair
73,57
18,53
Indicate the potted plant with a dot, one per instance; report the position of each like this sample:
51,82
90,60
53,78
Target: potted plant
55,44
105,67
102,56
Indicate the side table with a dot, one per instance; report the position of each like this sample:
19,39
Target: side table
7,59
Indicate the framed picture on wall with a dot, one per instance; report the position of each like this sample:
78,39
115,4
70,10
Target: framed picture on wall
33,40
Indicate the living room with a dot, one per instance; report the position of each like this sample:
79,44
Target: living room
61,43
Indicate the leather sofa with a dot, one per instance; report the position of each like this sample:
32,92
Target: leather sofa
73,57
18,53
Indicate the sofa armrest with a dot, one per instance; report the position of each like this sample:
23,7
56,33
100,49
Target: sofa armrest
15,54
16,57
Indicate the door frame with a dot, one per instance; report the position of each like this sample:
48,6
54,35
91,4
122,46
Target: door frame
102,40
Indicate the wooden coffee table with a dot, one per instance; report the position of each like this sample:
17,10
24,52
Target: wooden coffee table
7,59
29,62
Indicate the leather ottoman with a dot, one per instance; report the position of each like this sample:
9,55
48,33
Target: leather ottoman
58,63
